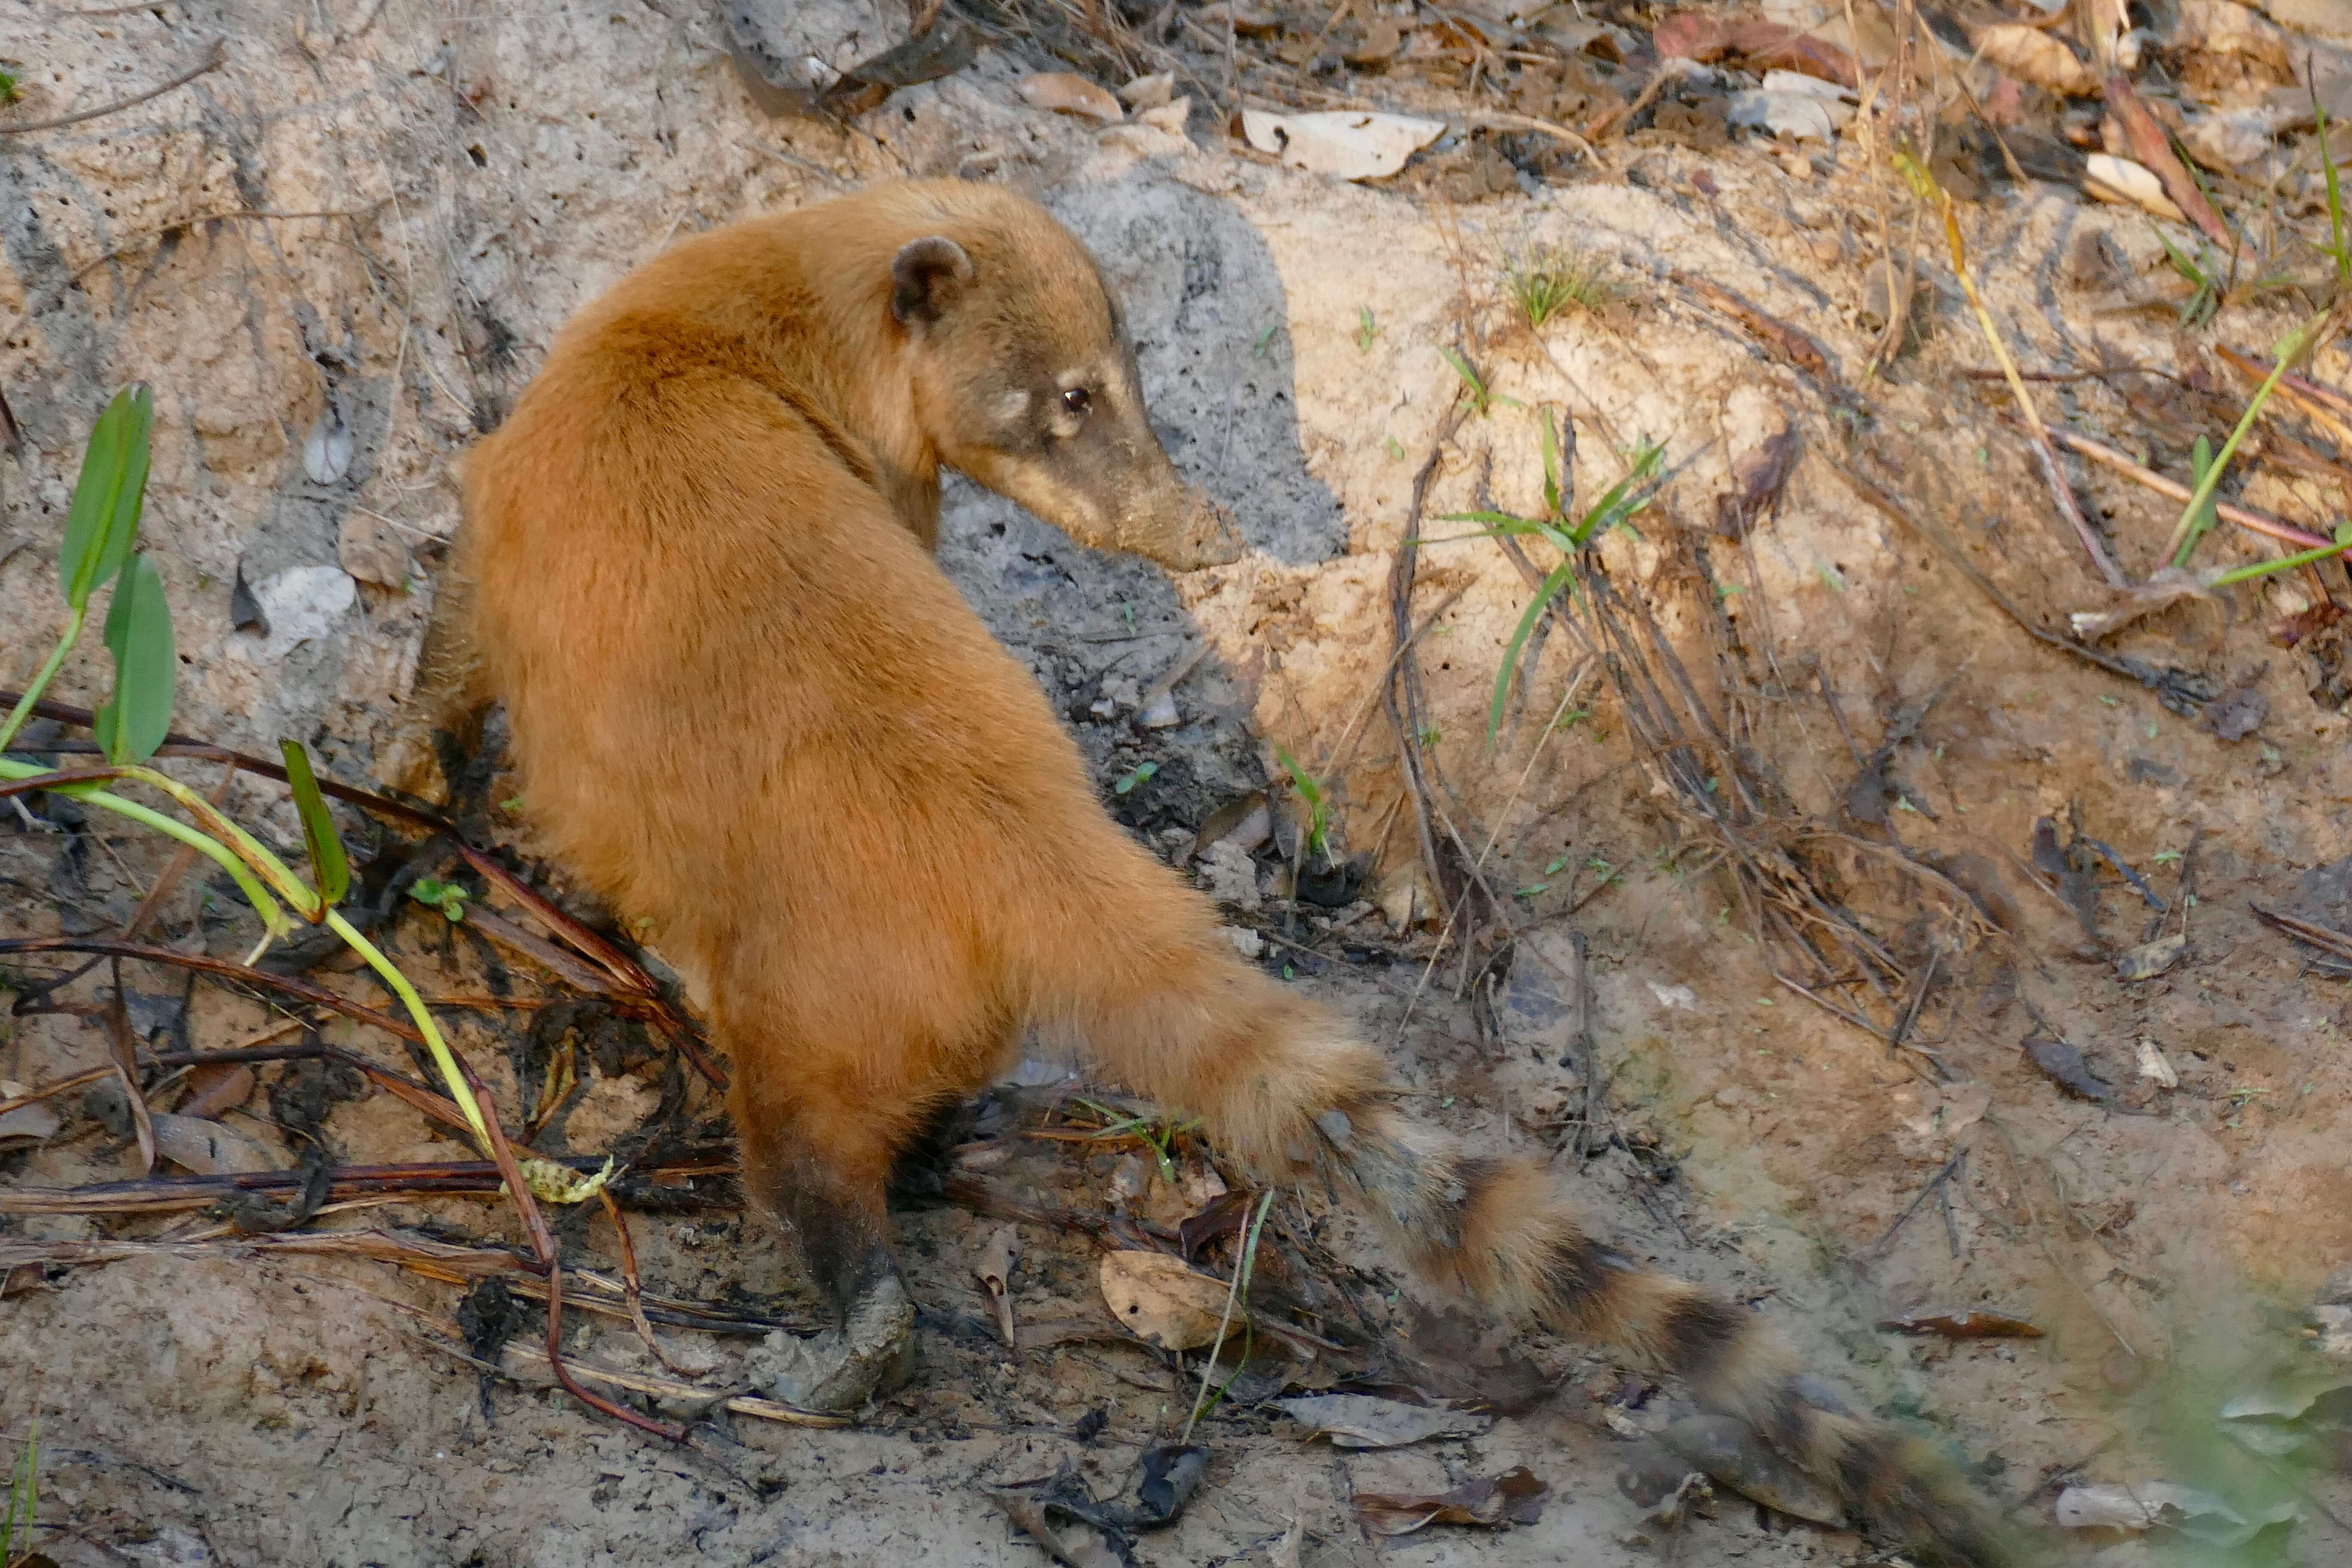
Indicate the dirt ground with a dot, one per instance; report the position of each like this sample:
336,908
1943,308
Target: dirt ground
485,171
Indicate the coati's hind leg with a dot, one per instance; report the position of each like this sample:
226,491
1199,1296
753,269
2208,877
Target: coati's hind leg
441,724
817,1166
1280,1083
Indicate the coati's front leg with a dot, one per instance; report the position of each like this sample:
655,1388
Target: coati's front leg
818,1167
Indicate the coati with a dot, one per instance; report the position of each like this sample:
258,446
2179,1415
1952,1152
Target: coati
749,709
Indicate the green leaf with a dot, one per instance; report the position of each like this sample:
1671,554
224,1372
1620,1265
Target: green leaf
329,867
139,633
104,518
1551,588
1552,467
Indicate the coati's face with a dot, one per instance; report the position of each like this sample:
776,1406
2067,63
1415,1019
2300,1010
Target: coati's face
1027,382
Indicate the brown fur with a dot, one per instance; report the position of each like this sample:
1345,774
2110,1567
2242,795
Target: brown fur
749,709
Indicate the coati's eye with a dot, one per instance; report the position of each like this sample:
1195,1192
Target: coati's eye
1077,400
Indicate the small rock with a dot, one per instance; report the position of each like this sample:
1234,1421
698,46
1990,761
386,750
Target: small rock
2338,1290
1246,943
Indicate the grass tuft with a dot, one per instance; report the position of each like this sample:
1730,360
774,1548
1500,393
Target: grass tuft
1551,280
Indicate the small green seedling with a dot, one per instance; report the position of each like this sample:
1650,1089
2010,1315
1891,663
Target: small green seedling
1365,331
446,896
16,1519
1264,341
1319,804
1135,778
1395,450
1473,386
2290,350
1568,535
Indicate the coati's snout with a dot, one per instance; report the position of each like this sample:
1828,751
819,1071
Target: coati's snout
1027,382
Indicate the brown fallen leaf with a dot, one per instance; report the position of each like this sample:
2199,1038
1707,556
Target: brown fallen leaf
2148,144
1079,1547
1962,1325
1358,1421
215,1087
995,1271
2065,1066
2038,58
1758,475
2150,959
1692,35
1162,1302
207,1148
1515,1497
1066,92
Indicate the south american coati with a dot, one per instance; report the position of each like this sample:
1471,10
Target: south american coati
748,709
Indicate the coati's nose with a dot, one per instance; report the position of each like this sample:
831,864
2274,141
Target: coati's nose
1202,534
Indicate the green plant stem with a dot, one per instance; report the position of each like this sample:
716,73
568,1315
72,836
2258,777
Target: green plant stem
418,1014
49,672
2176,548
273,919
1236,1294
2285,564
268,866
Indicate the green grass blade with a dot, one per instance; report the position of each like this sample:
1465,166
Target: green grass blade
2286,563
2339,249
1545,595
104,517
2288,350
2202,520
146,669
329,866
1552,467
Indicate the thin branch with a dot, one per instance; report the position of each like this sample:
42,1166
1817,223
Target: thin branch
217,57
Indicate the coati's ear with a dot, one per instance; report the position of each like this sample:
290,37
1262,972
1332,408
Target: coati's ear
926,277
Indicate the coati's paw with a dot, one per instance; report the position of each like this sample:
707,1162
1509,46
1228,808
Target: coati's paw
841,1369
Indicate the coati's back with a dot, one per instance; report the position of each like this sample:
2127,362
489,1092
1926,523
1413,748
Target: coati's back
745,703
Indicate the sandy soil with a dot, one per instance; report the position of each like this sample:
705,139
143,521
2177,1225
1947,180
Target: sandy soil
492,170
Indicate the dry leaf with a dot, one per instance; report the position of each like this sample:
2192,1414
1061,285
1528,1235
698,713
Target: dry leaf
1357,1421
1515,1497
2040,58
214,1087
2119,180
1066,92
1963,1325
2065,1066
2151,959
1284,1554
1729,1451
1170,117
1149,92
2168,586
2154,1065
207,1148
1162,1302
995,1271
32,1122
1351,146
1077,1547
